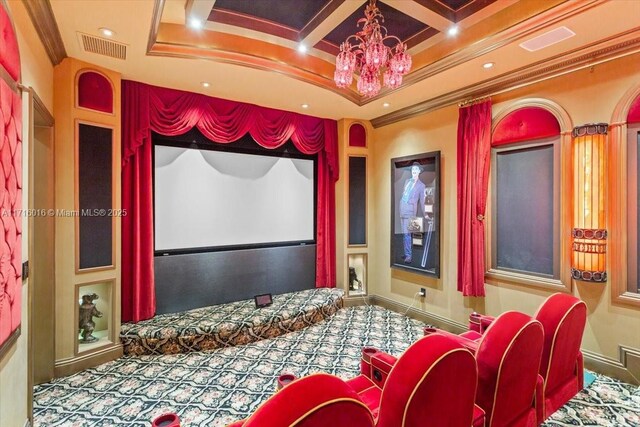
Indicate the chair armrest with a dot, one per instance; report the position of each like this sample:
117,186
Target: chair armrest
381,365
479,322
539,402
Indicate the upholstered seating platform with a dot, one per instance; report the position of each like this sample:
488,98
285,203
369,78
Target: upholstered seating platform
228,325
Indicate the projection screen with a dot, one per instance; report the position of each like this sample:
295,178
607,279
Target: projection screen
207,199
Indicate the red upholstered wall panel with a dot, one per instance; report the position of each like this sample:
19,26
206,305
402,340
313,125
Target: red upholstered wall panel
95,92
525,124
9,56
10,184
634,111
357,135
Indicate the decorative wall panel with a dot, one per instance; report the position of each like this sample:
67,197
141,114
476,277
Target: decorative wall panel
10,183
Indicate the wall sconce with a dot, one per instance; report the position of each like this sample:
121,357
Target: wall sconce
589,234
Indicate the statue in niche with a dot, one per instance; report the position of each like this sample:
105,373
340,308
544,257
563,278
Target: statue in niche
354,282
88,311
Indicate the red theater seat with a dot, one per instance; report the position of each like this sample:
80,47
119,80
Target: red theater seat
319,400
432,384
508,356
563,318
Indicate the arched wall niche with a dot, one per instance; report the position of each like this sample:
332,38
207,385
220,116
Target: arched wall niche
357,135
94,91
564,121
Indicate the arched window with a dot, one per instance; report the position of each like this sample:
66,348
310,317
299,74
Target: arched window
525,197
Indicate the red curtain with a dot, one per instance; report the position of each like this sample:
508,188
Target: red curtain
474,147
171,112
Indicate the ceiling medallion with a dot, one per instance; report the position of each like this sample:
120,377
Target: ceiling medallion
369,56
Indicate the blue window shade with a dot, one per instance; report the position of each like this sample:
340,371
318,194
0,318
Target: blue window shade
525,210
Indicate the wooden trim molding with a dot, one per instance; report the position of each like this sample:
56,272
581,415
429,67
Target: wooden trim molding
616,47
423,316
8,344
72,365
44,21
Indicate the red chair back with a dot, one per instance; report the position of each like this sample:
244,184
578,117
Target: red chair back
563,318
432,384
318,400
508,359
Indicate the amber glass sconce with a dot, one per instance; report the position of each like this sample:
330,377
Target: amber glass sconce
589,262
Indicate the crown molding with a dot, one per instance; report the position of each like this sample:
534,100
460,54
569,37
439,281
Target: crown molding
44,21
615,47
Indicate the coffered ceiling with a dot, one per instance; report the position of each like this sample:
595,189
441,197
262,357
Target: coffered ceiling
250,50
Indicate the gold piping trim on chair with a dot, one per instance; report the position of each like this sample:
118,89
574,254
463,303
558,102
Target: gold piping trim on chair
555,334
495,393
322,405
406,407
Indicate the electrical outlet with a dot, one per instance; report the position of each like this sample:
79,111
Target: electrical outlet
423,292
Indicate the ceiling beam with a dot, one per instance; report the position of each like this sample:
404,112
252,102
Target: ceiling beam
421,13
315,30
44,21
198,9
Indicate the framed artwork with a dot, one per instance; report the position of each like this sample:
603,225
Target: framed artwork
415,213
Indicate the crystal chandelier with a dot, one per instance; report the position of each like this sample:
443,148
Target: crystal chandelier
369,56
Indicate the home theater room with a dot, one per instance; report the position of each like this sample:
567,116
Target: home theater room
320,213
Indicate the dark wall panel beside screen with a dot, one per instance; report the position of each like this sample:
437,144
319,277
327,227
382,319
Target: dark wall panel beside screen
357,200
95,196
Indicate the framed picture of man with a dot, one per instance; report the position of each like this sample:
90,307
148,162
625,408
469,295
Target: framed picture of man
415,213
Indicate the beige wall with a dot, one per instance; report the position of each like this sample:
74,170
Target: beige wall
37,72
588,96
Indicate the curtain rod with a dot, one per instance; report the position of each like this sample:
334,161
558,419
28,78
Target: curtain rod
474,101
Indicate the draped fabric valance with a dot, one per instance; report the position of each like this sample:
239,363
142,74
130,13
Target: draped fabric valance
172,112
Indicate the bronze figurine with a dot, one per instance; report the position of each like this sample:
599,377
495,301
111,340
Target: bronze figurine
88,311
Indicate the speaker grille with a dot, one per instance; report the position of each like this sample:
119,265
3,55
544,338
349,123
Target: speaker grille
102,46
547,39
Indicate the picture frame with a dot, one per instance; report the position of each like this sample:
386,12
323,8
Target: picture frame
415,213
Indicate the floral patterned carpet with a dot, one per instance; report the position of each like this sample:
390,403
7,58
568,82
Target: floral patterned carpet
217,387
228,325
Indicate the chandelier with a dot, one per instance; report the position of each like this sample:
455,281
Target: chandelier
369,56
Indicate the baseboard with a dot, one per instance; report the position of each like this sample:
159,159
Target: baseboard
355,301
423,316
626,369
72,365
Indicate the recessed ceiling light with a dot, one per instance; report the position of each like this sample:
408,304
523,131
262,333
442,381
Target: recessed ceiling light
106,32
195,23
386,105
452,31
205,84
305,106
488,65
302,48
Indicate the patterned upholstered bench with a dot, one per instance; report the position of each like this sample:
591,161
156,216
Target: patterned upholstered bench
228,325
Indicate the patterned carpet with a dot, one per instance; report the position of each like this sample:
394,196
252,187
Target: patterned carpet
229,325
217,387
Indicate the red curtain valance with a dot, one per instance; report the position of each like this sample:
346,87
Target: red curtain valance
525,124
172,112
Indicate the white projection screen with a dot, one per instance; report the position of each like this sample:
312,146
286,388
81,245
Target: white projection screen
208,199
